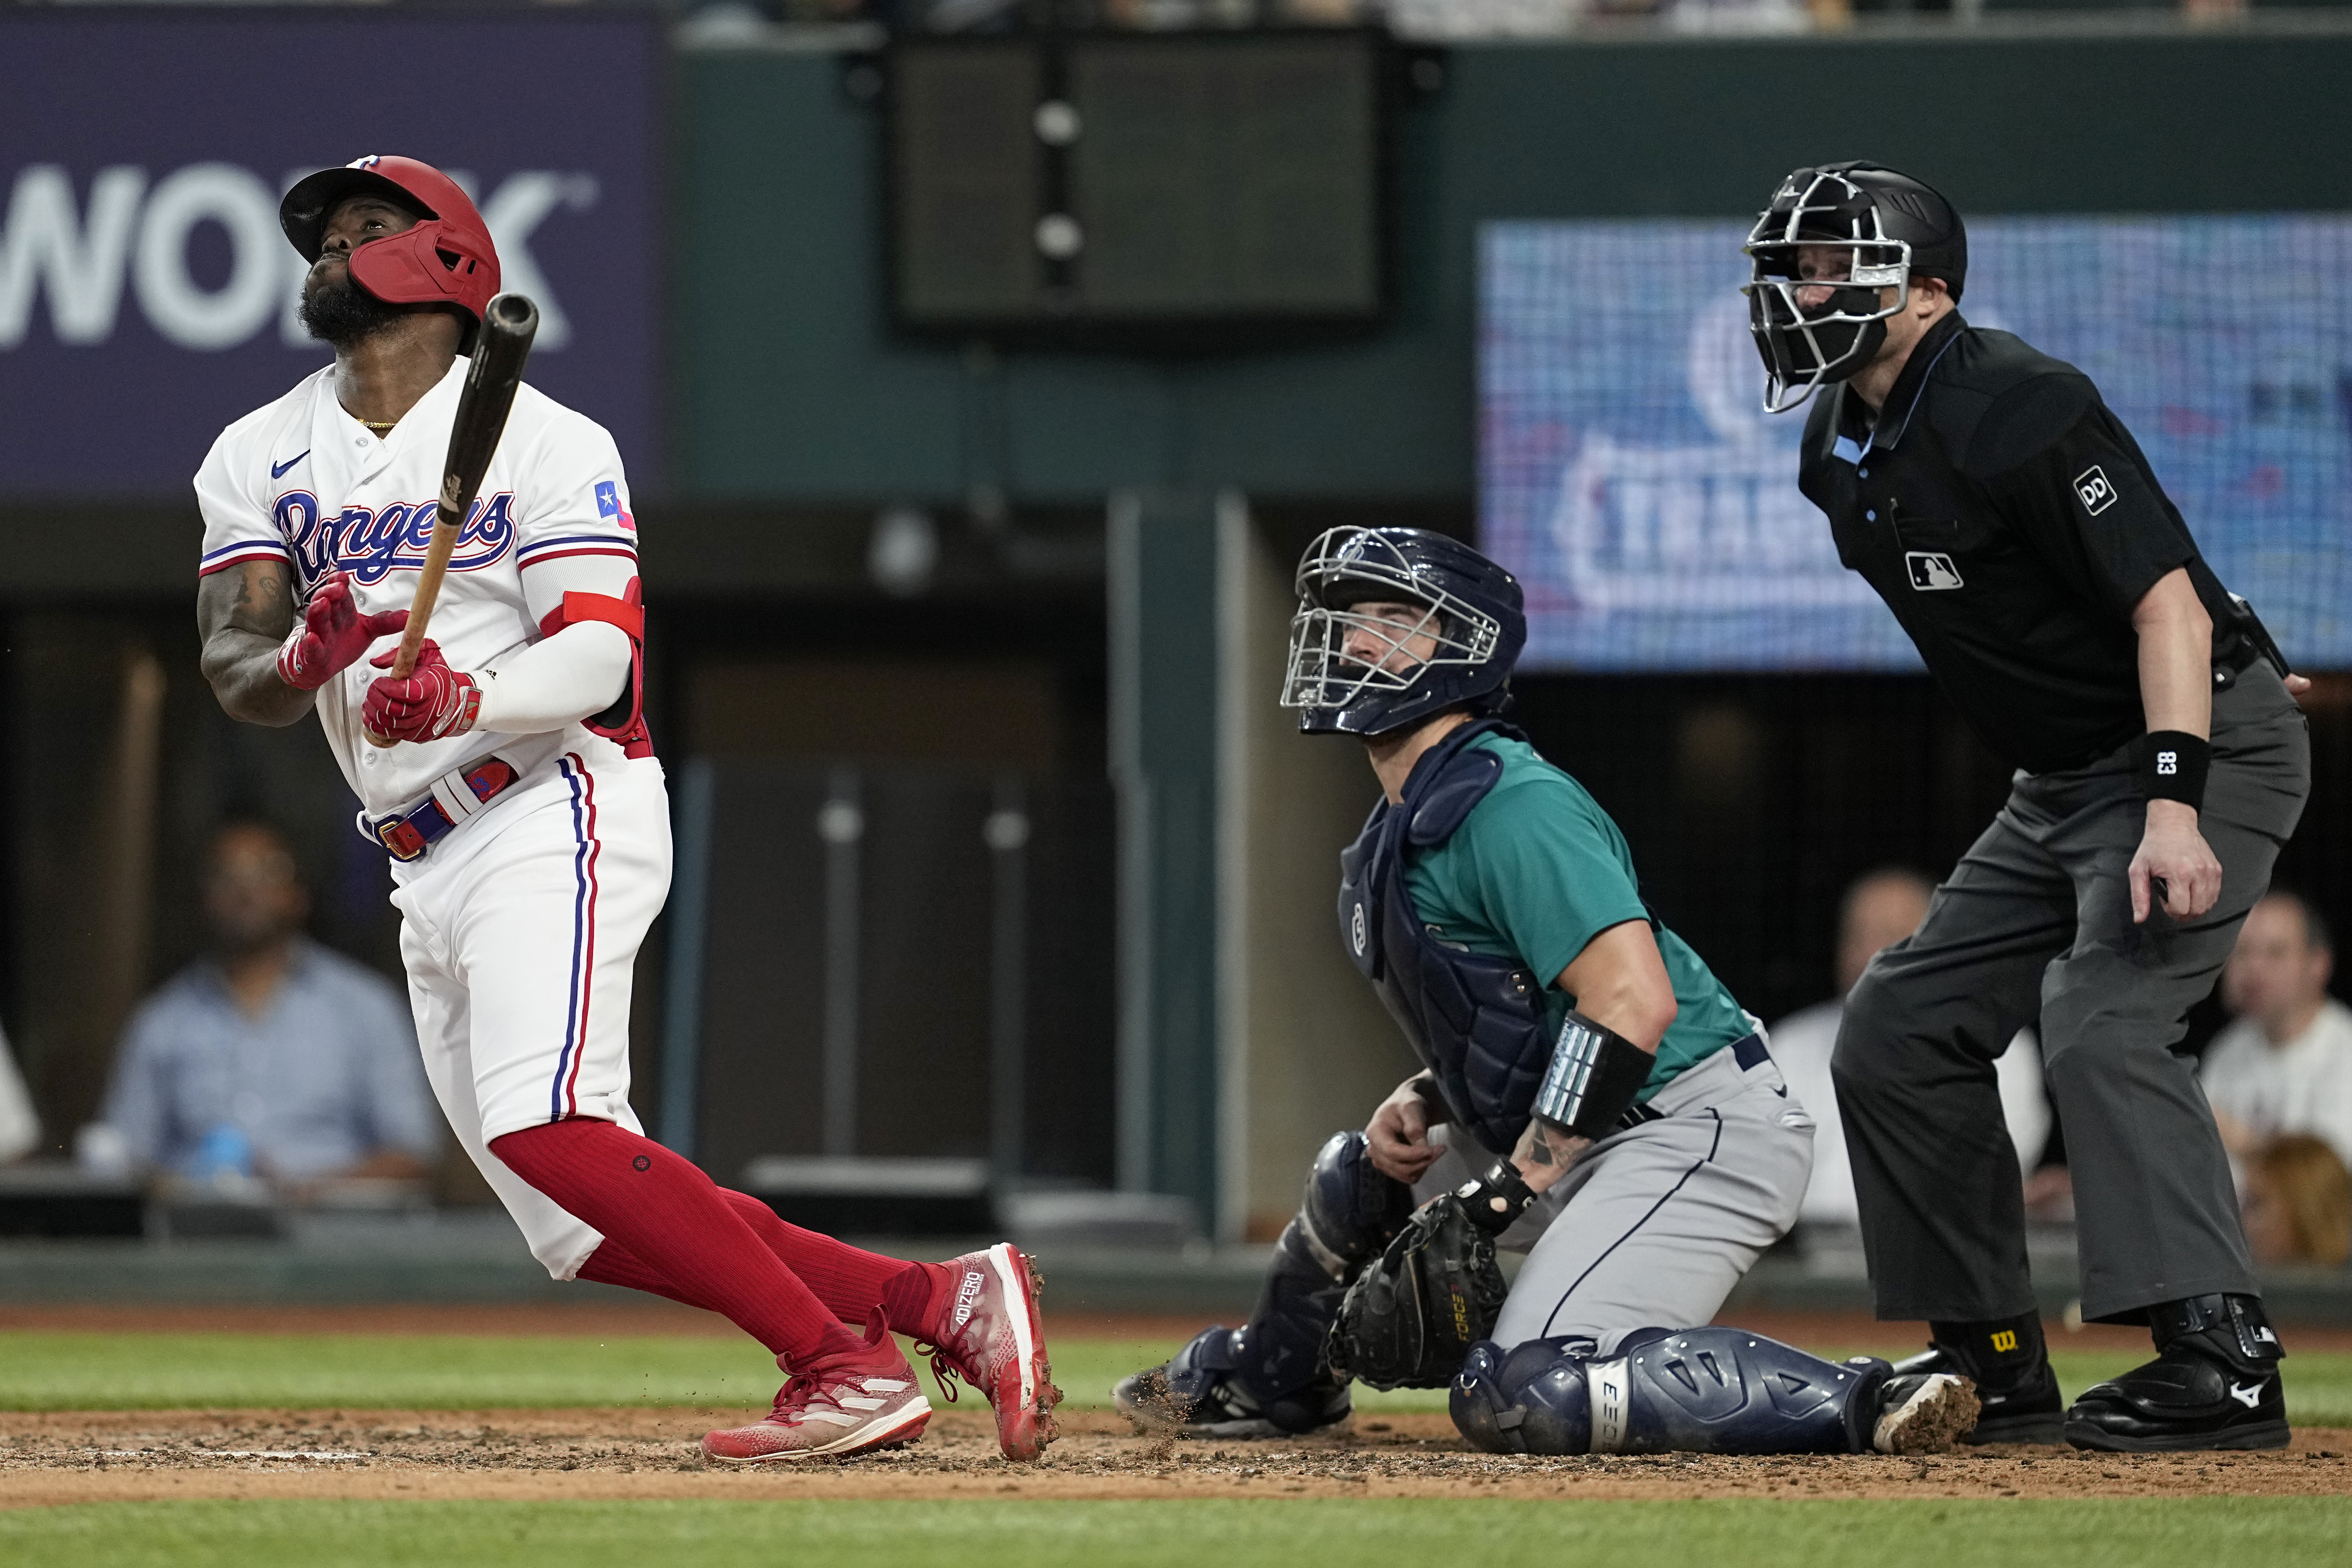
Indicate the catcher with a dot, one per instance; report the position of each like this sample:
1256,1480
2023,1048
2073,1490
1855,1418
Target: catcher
1653,1149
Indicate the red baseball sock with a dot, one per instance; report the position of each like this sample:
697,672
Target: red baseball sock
674,1224
847,1280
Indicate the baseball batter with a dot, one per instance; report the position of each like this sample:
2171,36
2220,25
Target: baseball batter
1653,1150
526,816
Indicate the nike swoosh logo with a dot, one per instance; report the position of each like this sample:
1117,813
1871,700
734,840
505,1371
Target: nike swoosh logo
277,470
2249,1397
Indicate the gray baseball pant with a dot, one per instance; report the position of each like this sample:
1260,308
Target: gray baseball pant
1654,1225
2035,922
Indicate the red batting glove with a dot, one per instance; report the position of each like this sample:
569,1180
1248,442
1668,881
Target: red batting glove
332,636
435,701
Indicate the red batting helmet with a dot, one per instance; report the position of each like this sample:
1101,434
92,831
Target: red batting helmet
446,260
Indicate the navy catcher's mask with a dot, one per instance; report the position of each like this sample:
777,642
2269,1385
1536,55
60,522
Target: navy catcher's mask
1874,229
1455,651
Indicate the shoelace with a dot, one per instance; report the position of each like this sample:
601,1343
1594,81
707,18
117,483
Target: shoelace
941,1368
844,1394
793,1397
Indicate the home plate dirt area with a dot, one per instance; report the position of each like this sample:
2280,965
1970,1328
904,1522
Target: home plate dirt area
71,1457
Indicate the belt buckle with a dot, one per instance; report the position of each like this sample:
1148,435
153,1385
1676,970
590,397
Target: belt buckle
400,838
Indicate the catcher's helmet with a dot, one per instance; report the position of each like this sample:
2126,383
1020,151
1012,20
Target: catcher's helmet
1471,614
446,260
1893,229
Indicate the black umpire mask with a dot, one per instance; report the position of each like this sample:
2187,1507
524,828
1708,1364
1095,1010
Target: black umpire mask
1821,346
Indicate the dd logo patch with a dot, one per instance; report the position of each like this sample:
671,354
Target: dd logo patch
2091,487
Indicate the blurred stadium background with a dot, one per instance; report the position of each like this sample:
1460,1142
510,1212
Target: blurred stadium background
982,369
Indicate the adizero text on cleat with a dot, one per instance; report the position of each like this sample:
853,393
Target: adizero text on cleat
989,1333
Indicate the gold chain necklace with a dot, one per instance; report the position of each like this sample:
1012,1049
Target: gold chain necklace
381,427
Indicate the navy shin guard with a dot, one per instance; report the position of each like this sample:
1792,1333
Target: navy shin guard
1349,1212
1709,1391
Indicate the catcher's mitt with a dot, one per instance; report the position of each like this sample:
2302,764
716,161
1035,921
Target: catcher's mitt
1411,1318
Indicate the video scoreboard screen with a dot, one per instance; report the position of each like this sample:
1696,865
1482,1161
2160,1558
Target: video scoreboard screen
1631,479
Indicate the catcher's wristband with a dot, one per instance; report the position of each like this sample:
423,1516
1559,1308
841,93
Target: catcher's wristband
1594,1075
1495,1199
2171,764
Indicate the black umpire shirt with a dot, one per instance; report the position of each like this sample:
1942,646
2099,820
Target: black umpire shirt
2010,523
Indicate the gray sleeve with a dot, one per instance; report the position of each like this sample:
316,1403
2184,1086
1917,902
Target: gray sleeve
401,1111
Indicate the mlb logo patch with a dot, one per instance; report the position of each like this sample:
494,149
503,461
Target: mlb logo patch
2091,487
608,505
1932,572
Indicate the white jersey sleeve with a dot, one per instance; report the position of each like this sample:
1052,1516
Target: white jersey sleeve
239,523
574,528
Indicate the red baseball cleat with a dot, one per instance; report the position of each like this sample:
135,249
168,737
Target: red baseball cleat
988,1333
833,1411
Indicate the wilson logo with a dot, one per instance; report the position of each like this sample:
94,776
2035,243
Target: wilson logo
2005,1340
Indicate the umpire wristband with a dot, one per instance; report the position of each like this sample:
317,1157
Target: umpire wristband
1496,1198
1594,1075
2171,764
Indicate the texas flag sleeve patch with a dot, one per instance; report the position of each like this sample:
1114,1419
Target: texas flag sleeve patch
608,506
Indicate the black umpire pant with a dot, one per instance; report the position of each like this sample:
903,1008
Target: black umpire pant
2035,922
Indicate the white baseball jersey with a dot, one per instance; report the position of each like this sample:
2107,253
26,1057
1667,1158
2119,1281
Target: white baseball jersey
520,944
302,482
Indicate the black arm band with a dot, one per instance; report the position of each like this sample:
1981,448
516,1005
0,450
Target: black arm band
2172,764
1496,1198
1594,1075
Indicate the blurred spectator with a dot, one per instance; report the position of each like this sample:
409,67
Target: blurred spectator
2285,1063
2298,1202
274,1058
1882,908
20,1129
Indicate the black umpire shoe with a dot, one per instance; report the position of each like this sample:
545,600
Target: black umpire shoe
2214,1384
1199,1393
2025,1407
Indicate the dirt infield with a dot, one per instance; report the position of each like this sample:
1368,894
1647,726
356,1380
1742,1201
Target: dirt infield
50,1458
67,1456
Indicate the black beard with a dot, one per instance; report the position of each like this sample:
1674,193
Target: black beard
342,315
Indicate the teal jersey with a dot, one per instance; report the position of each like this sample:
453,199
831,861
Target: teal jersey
1537,871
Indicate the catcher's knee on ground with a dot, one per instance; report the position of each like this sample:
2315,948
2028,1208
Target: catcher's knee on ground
1713,1391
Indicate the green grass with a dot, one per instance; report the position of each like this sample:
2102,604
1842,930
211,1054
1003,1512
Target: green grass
51,1371
2210,1532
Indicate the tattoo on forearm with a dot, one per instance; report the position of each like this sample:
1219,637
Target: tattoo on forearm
258,603
1542,1152
243,614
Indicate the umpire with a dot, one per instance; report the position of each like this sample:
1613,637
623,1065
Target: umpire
2012,525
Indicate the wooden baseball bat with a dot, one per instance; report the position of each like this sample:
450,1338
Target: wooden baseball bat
504,343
